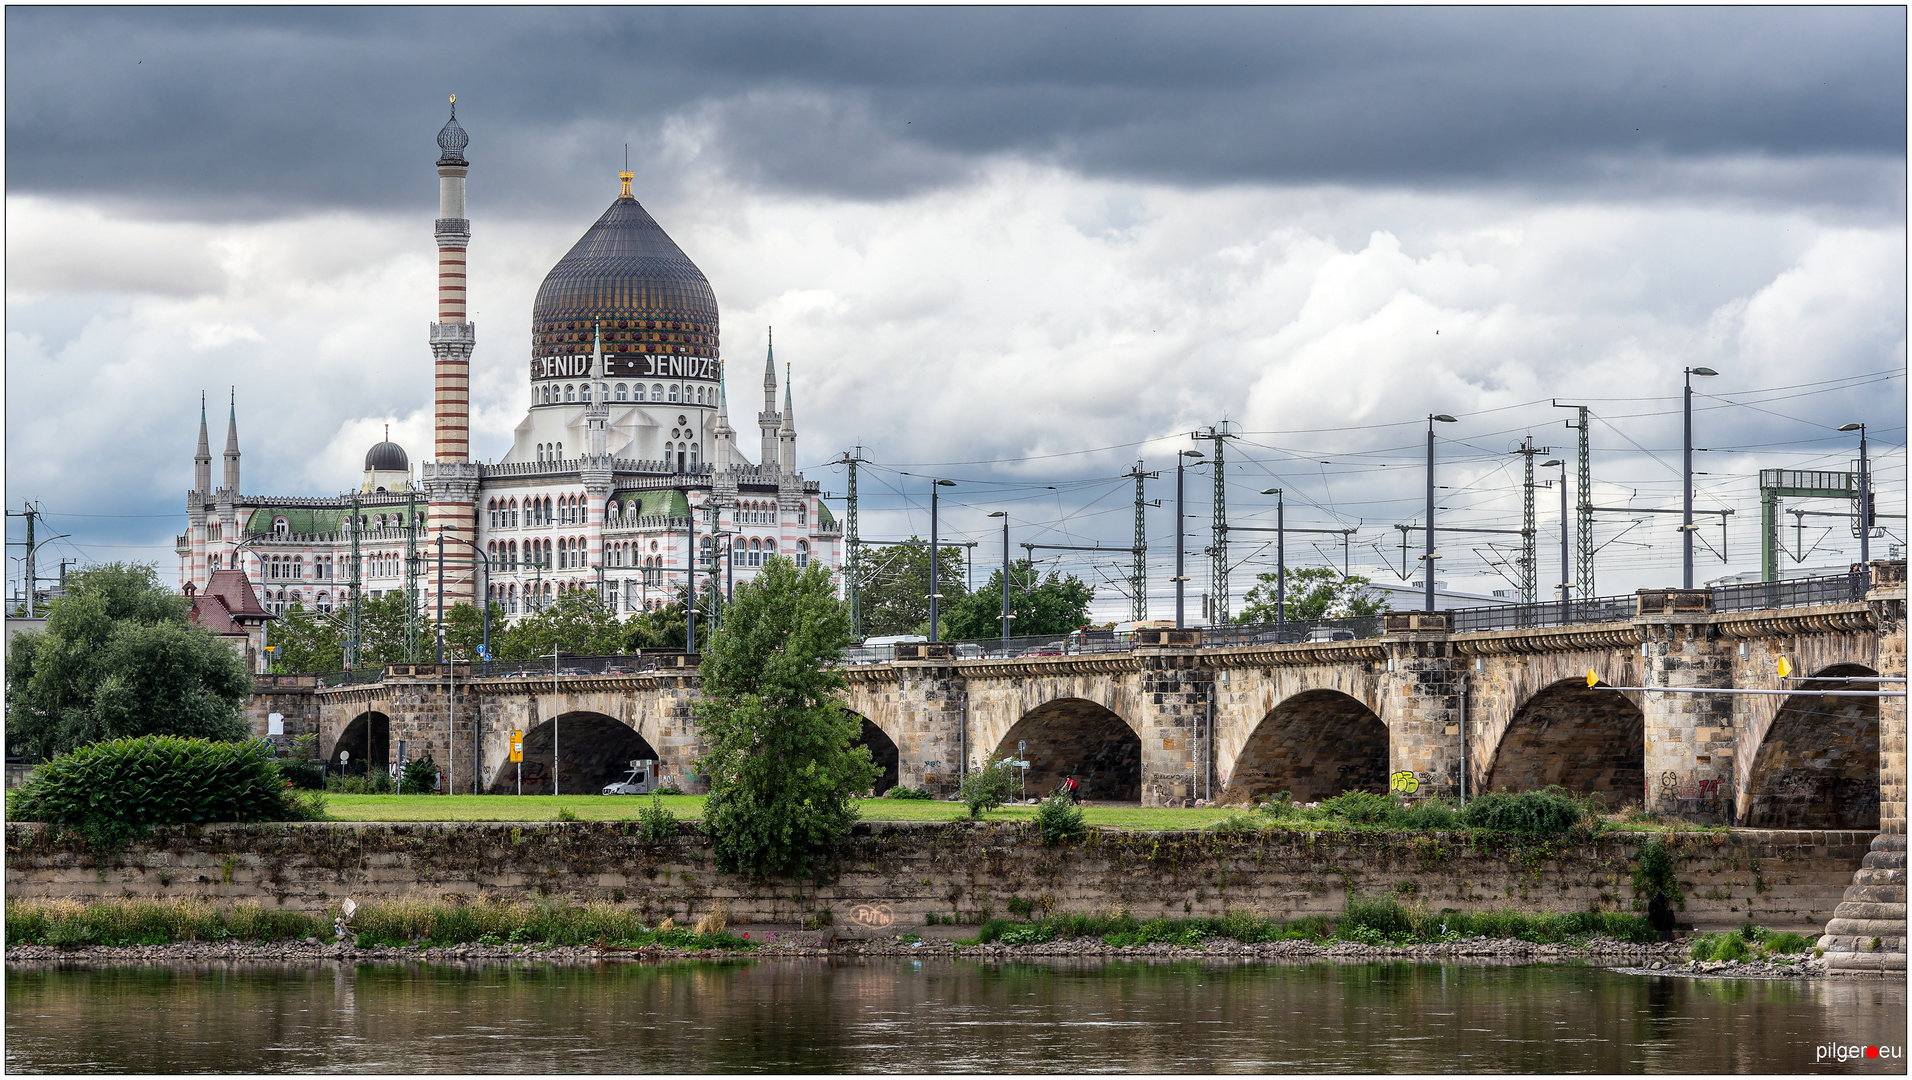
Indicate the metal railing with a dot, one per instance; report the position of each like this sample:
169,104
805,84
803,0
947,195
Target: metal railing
1527,616
1796,592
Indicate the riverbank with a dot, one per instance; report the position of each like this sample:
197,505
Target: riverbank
1661,958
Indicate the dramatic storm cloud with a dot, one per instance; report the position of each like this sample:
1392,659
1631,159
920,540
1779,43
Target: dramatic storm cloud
993,236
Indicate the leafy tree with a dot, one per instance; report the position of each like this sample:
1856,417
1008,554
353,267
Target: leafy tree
989,787
1037,605
784,763
660,629
893,583
1314,592
576,621
118,658
465,630
307,641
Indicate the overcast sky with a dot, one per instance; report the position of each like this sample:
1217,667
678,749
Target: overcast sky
1022,248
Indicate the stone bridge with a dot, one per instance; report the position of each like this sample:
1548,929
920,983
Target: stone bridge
1419,709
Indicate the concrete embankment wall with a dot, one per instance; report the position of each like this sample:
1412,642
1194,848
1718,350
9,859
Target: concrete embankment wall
888,876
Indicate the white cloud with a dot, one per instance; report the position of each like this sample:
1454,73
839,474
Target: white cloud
1031,312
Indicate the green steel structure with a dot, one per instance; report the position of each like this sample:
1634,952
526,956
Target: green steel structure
1777,484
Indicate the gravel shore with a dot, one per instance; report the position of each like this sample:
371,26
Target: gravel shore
1667,958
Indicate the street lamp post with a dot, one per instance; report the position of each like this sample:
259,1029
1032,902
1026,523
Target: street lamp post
441,596
1865,499
934,594
1686,507
1281,560
1181,571
1566,568
484,612
1004,515
1427,559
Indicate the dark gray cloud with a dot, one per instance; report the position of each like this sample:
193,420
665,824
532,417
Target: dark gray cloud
248,111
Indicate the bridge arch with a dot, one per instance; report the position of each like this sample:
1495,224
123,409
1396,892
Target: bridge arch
1077,737
367,738
593,750
1313,745
1817,766
1587,740
883,751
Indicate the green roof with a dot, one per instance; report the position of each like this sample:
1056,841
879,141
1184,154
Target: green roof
307,521
824,517
653,503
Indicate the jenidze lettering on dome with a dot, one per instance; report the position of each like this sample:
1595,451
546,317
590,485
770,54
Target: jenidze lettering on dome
626,385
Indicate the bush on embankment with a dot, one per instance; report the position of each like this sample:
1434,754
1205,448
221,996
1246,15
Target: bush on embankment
1551,812
1749,942
1366,920
159,922
111,792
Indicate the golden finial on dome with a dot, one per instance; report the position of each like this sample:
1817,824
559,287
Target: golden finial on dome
625,178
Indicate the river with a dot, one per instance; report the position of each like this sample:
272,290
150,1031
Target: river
934,1015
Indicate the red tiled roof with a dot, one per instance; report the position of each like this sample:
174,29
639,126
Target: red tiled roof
228,604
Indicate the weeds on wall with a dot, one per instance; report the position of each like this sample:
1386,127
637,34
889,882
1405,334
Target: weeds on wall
549,923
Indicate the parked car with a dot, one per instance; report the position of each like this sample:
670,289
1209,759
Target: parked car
969,650
1330,633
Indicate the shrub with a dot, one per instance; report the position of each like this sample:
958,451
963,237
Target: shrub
421,777
901,791
987,788
1362,808
111,792
302,774
1430,815
1279,806
667,789
656,820
1548,812
374,782
1059,819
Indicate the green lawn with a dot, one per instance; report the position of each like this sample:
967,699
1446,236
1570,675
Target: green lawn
625,807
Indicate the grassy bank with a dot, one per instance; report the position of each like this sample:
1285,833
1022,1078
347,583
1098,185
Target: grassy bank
161,922
1382,921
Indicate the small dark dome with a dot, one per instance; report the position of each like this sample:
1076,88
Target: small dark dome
452,140
387,457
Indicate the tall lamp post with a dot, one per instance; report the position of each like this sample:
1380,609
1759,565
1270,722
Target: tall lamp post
1182,459
934,593
1004,515
1686,507
1865,499
484,612
1566,568
1281,560
1427,559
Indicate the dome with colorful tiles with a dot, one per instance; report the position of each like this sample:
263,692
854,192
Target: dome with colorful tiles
628,277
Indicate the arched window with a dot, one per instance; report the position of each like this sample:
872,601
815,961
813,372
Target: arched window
803,554
693,456
571,393
281,526
560,451
620,391
803,512
673,396
657,391
584,393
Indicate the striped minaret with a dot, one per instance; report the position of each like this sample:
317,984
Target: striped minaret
450,479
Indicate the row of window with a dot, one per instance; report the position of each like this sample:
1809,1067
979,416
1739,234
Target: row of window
580,394
282,527
571,509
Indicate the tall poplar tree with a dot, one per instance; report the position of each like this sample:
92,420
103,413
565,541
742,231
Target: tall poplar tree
784,764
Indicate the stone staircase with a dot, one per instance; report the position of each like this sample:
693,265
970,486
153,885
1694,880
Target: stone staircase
1868,929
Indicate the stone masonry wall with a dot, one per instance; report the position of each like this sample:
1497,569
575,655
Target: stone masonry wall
889,875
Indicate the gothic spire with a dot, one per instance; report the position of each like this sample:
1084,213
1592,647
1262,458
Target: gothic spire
202,461
232,444
789,411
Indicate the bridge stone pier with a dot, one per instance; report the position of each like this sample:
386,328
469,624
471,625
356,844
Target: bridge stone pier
1420,709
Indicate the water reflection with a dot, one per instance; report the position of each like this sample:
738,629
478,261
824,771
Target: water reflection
890,1015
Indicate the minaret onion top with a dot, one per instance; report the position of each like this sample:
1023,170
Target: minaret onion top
452,139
